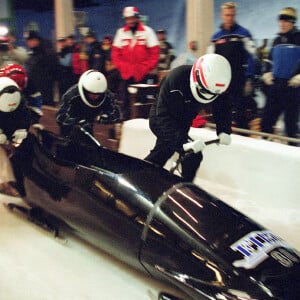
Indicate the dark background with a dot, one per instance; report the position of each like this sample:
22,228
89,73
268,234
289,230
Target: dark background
44,5
104,16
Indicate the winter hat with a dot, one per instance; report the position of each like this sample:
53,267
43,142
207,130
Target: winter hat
288,14
163,31
32,35
91,33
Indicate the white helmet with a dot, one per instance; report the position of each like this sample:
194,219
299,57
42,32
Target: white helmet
92,82
10,95
210,76
131,11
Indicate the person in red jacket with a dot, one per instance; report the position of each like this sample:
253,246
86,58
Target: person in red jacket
135,53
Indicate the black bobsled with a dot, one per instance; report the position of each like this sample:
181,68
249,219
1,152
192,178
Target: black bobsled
155,222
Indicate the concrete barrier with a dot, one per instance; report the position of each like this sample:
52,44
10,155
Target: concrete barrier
258,177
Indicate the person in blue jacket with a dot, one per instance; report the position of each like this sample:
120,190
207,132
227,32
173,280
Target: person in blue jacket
235,43
283,77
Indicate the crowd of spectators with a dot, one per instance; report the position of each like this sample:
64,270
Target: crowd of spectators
54,74
136,53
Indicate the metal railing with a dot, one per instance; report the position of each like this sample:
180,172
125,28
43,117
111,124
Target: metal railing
268,136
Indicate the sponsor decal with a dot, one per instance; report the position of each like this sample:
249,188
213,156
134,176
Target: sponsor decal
256,246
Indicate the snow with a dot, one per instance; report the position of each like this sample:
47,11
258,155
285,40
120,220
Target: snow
36,266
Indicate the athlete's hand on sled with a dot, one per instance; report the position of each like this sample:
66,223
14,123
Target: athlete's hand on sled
19,135
103,119
3,137
38,126
294,81
268,78
84,124
195,146
224,138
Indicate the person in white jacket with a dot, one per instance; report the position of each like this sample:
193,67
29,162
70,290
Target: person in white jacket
10,53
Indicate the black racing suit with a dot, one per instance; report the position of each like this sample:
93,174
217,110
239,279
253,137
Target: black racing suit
73,110
171,117
9,123
14,120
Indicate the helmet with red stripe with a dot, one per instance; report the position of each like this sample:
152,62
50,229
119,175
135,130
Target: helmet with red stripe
210,76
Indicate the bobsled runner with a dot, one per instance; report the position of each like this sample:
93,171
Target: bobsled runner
154,221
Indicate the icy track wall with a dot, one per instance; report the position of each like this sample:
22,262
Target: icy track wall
252,172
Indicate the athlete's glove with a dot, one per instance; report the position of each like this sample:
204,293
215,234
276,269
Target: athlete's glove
225,139
195,146
268,78
19,135
38,126
294,81
103,119
3,137
84,124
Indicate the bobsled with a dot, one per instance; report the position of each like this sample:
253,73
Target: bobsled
154,221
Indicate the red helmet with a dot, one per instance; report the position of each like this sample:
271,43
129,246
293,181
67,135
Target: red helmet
4,40
16,73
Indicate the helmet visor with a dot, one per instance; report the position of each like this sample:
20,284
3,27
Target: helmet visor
10,99
93,99
201,90
9,90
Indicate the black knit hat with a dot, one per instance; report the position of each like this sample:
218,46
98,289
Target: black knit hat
61,39
30,35
91,33
161,31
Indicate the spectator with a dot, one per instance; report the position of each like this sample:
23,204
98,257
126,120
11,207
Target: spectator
96,56
65,53
184,91
112,74
70,40
235,43
262,51
106,46
283,79
79,57
10,53
166,55
42,66
135,53
186,58
14,123
85,102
